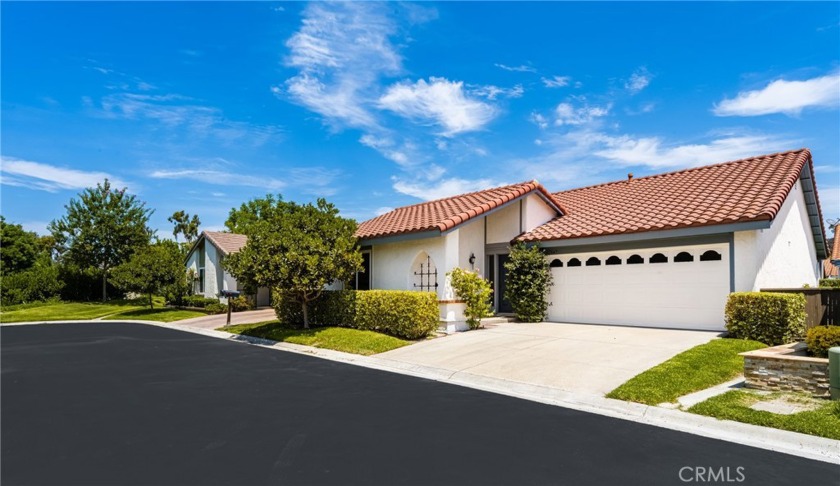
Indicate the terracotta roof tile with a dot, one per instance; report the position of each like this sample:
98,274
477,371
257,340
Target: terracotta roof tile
752,189
444,214
226,242
835,246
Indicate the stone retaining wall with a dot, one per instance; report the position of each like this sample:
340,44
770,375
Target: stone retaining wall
786,368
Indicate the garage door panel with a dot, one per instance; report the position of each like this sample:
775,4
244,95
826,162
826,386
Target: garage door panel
688,295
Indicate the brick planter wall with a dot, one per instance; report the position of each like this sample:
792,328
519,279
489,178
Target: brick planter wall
786,368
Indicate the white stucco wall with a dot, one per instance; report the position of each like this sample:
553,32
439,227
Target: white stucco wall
537,212
471,241
783,255
212,271
503,225
392,262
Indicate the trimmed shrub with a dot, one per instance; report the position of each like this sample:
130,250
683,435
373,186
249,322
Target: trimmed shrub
768,317
830,283
819,339
475,291
240,304
331,308
527,283
403,313
199,301
216,308
38,283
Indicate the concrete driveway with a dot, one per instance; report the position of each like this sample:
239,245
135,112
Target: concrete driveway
218,320
579,358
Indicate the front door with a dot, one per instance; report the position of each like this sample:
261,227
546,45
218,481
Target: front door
504,306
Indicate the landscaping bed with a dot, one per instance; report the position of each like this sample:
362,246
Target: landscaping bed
343,339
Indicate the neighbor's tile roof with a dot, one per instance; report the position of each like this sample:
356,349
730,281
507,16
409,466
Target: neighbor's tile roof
226,242
750,189
445,214
835,247
829,269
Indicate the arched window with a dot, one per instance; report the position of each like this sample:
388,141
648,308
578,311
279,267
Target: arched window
635,260
574,262
424,273
556,263
684,256
710,256
613,260
658,258
593,262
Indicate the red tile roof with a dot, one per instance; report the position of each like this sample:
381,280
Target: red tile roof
752,189
829,269
835,247
227,243
445,214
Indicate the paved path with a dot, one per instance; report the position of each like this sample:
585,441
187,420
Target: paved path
579,358
218,320
126,404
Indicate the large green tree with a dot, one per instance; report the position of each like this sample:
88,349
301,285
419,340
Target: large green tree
151,270
102,229
244,219
185,225
296,249
19,249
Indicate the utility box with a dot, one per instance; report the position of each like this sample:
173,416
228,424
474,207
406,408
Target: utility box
834,372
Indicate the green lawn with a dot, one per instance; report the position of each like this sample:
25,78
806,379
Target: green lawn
161,315
698,368
337,338
64,310
734,405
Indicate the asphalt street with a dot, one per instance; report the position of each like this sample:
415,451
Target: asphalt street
129,404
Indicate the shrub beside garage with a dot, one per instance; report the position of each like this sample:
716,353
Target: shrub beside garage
402,313
767,317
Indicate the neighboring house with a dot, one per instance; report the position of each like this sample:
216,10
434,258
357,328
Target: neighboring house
205,260
662,251
831,265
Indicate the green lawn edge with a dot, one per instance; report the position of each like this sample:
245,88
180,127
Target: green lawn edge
342,339
693,370
734,405
165,314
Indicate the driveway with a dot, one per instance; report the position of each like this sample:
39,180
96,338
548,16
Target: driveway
580,358
218,320
127,404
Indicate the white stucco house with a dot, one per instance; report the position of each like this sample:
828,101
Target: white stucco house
660,251
204,261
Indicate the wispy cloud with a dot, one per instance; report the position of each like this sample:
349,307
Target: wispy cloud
220,178
782,96
50,178
638,81
522,68
556,81
568,114
441,188
307,180
491,92
439,101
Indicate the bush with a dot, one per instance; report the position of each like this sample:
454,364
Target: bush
216,308
402,313
819,339
82,284
475,291
39,283
768,317
331,308
240,303
830,283
527,283
199,301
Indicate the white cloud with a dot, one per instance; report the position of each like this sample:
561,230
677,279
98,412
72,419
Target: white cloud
428,191
781,96
568,114
383,210
638,81
50,178
538,119
556,81
439,101
220,178
519,69
492,92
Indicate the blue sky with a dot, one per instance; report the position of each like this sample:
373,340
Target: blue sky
203,106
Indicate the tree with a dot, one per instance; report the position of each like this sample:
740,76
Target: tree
294,249
19,249
151,270
249,214
527,282
475,291
101,229
184,225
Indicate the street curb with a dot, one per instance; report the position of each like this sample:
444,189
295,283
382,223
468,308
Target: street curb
792,443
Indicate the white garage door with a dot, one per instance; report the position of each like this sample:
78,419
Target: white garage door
676,287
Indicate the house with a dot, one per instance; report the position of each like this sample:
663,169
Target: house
204,260
660,251
831,265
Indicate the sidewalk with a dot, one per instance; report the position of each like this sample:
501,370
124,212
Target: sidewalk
218,320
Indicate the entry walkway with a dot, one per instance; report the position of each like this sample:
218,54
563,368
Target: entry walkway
218,320
578,358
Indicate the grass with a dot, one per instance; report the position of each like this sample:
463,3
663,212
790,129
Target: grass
159,315
734,405
698,368
337,338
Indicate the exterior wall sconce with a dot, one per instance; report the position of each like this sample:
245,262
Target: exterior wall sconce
472,259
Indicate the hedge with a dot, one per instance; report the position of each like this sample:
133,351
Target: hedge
36,284
199,301
830,283
768,317
819,339
402,313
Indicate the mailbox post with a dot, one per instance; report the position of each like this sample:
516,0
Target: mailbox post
229,294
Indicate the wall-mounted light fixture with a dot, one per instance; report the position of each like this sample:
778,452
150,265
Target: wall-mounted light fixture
472,259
